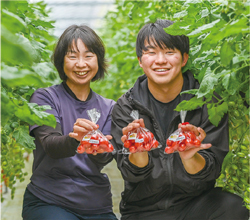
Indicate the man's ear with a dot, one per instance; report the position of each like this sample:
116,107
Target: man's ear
139,59
184,59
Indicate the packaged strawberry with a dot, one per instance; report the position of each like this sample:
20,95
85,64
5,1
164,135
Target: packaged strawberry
181,140
140,139
95,141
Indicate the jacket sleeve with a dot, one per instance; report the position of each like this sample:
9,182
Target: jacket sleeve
55,144
218,136
120,119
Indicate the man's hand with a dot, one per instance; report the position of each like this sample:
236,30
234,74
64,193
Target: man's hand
139,159
192,161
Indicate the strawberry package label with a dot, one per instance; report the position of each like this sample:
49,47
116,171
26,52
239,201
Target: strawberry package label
181,140
94,142
140,139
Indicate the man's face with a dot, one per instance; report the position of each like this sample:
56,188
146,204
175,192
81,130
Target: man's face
162,66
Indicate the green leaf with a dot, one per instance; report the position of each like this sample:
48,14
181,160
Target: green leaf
226,53
30,113
231,83
12,51
23,138
192,104
181,14
227,160
241,58
247,97
216,112
12,22
12,76
191,91
39,117
203,28
207,84
178,28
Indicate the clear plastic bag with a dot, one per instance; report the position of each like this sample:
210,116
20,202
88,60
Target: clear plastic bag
181,140
94,142
140,139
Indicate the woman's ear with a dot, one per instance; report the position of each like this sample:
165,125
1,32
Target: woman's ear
185,59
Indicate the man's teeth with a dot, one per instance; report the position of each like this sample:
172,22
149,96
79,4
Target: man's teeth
81,73
161,70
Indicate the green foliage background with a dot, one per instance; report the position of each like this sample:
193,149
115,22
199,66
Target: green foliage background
219,58
26,47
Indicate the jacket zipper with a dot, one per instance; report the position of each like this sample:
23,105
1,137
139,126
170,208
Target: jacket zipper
176,114
168,164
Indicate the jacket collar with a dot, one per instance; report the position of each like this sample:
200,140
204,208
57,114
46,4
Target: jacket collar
140,91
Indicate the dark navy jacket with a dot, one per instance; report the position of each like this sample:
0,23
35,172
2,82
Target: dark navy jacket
164,181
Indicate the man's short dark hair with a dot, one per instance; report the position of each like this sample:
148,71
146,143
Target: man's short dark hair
154,32
91,40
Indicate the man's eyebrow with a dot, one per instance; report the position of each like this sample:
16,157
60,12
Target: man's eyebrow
150,47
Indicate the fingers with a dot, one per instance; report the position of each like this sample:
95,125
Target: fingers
123,138
109,137
199,132
185,155
131,126
202,134
205,146
73,135
82,127
85,124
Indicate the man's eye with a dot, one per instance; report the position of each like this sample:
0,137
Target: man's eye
151,52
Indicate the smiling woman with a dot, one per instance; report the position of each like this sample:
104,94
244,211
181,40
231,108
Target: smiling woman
65,185
80,66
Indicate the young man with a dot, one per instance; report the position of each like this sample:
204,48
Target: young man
170,186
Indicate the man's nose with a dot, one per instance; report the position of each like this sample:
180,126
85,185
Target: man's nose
161,58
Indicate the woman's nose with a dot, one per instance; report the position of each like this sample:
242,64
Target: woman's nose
80,63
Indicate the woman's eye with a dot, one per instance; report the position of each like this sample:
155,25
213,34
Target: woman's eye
71,56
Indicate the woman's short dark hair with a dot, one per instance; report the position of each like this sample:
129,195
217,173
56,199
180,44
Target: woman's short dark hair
91,40
154,32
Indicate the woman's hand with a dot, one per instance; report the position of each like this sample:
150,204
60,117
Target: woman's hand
81,128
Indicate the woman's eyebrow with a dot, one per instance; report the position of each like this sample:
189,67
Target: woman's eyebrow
71,51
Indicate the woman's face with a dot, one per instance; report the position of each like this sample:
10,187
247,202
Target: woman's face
80,65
